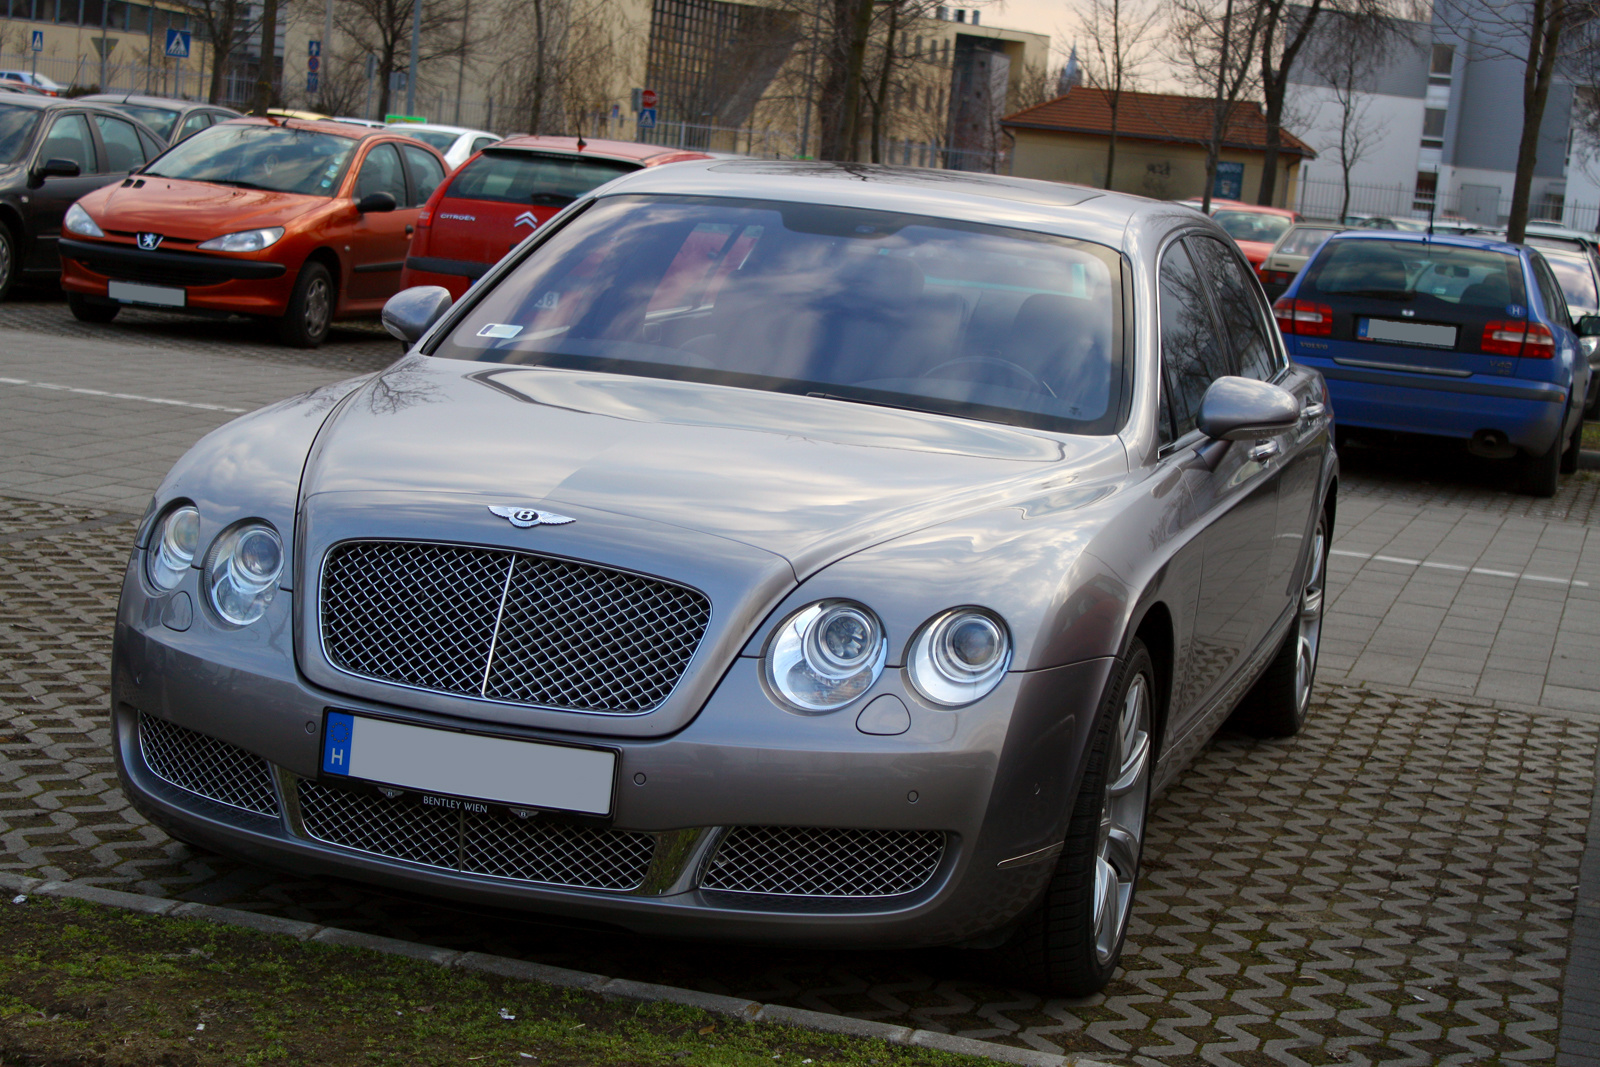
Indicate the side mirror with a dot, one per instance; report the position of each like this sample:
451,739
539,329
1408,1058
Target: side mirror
376,202
58,168
1589,326
411,312
1243,409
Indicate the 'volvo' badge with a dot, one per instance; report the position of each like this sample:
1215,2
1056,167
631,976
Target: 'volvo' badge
149,241
523,517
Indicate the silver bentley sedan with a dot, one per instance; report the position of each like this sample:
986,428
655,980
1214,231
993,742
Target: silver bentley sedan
784,552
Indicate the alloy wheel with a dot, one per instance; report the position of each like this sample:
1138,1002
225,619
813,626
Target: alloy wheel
1310,620
319,307
5,262
1122,818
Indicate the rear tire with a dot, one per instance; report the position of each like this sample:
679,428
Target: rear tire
9,259
1541,475
1569,456
1071,943
1276,705
85,310
310,312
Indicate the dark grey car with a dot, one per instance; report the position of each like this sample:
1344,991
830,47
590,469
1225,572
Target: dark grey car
172,120
775,551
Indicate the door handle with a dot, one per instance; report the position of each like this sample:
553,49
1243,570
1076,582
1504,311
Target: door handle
410,229
1264,450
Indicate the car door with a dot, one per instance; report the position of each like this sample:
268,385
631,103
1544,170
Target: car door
1235,500
69,137
378,239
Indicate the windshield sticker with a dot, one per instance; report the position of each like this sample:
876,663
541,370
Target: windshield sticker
548,301
499,329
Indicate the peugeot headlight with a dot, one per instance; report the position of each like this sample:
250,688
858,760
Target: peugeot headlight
826,654
78,221
242,572
244,240
172,549
958,657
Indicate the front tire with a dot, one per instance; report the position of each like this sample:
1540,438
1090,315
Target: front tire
9,259
310,312
1071,943
85,310
1276,705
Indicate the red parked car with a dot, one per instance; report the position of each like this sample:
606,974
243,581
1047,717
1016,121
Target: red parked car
506,192
1254,228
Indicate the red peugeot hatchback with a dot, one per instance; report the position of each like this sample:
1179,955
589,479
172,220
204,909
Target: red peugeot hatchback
504,193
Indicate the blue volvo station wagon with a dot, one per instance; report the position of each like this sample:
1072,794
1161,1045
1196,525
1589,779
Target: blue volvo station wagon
1454,337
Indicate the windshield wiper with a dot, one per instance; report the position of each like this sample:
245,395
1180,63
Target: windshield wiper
238,184
878,403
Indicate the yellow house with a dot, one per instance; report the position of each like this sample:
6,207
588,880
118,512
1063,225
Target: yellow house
1161,145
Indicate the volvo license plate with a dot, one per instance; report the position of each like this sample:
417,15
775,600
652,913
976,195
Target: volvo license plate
496,769
1426,334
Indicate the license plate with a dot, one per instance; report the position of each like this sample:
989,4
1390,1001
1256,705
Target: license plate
1426,334
515,773
158,295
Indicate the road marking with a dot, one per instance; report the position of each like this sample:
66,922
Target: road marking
1518,575
122,396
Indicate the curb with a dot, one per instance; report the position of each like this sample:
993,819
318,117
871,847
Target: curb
523,970
1588,460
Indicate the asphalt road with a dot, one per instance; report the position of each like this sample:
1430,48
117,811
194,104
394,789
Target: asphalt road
1405,883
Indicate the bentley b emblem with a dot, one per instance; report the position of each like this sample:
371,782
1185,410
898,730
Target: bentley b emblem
524,517
149,241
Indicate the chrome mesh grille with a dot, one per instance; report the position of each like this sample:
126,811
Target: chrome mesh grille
810,862
207,767
507,625
531,850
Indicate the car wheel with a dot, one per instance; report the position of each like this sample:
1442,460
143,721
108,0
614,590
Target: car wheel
1276,705
310,311
1569,455
1071,943
8,259
86,311
1541,475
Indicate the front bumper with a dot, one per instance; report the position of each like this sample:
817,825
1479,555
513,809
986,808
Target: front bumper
210,283
995,779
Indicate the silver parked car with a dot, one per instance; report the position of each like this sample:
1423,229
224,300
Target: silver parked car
776,551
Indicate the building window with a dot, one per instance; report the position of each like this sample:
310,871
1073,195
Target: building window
1433,127
1443,56
1427,189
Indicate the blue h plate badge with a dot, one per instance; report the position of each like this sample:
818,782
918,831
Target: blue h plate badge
336,743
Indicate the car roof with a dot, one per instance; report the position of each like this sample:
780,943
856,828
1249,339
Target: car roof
51,102
598,146
401,127
1240,205
153,101
339,129
1454,240
1334,226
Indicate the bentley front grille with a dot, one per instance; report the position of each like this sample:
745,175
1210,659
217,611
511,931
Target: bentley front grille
207,767
493,843
809,862
507,626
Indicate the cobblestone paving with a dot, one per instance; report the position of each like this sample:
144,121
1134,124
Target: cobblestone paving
1395,886
1441,476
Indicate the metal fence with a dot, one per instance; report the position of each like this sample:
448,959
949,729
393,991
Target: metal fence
83,73
1320,199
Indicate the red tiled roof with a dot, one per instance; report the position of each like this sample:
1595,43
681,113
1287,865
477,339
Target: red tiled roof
1153,117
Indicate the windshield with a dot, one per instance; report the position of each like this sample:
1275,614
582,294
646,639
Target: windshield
1303,241
518,177
432,138
280,158
1416,270
1253,225
159,119
1577,282
841,303
16,130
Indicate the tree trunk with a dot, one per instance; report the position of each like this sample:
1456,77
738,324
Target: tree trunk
536,105
1220,109
269,58
860,32
1544,38
223,52
385,75
1111,144
881,104
1269,158
831,99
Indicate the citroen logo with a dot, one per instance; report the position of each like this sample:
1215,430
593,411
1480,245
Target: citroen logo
526,219
149,241
524,517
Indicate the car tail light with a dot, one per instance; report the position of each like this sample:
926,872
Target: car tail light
1304,318
1531,340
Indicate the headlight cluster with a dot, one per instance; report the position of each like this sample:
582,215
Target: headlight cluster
241,570
78,221
829,653
244,240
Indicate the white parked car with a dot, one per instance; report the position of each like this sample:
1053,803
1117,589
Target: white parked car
37,81
456,143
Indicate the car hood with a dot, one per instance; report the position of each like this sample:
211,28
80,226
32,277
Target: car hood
803,478
194,211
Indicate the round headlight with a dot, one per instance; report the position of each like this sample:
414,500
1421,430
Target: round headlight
958,657
826,654
242,572
172,548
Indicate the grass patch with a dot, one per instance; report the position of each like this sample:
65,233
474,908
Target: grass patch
80,984
1591,435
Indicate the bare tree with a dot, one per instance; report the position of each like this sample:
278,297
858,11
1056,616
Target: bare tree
1121,41
267,69
226,24
570,62
382,28
1213,47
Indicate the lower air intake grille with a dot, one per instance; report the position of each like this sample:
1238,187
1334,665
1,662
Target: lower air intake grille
807,862
205,766
531,850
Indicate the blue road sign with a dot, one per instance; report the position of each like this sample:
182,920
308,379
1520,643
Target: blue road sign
647,118
178,44
38,40
311,82
313,48
313,64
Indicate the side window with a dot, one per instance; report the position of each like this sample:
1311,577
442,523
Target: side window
426,173
481,143
123,150
1192,355
194,124
1238,308
1555,301
152,147
381,173
69,138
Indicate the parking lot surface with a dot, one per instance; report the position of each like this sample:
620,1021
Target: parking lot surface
1398,885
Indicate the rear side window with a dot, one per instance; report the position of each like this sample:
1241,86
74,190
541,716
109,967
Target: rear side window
194,124
1555,301
517,177
1421,273
426,173
123,150
1303,241
1252,225
1192,355
481,143
1576,279
1237,306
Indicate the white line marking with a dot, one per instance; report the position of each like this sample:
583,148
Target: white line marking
122,396
1458,567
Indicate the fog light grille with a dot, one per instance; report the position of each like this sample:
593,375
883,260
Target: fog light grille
207,767
811,862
